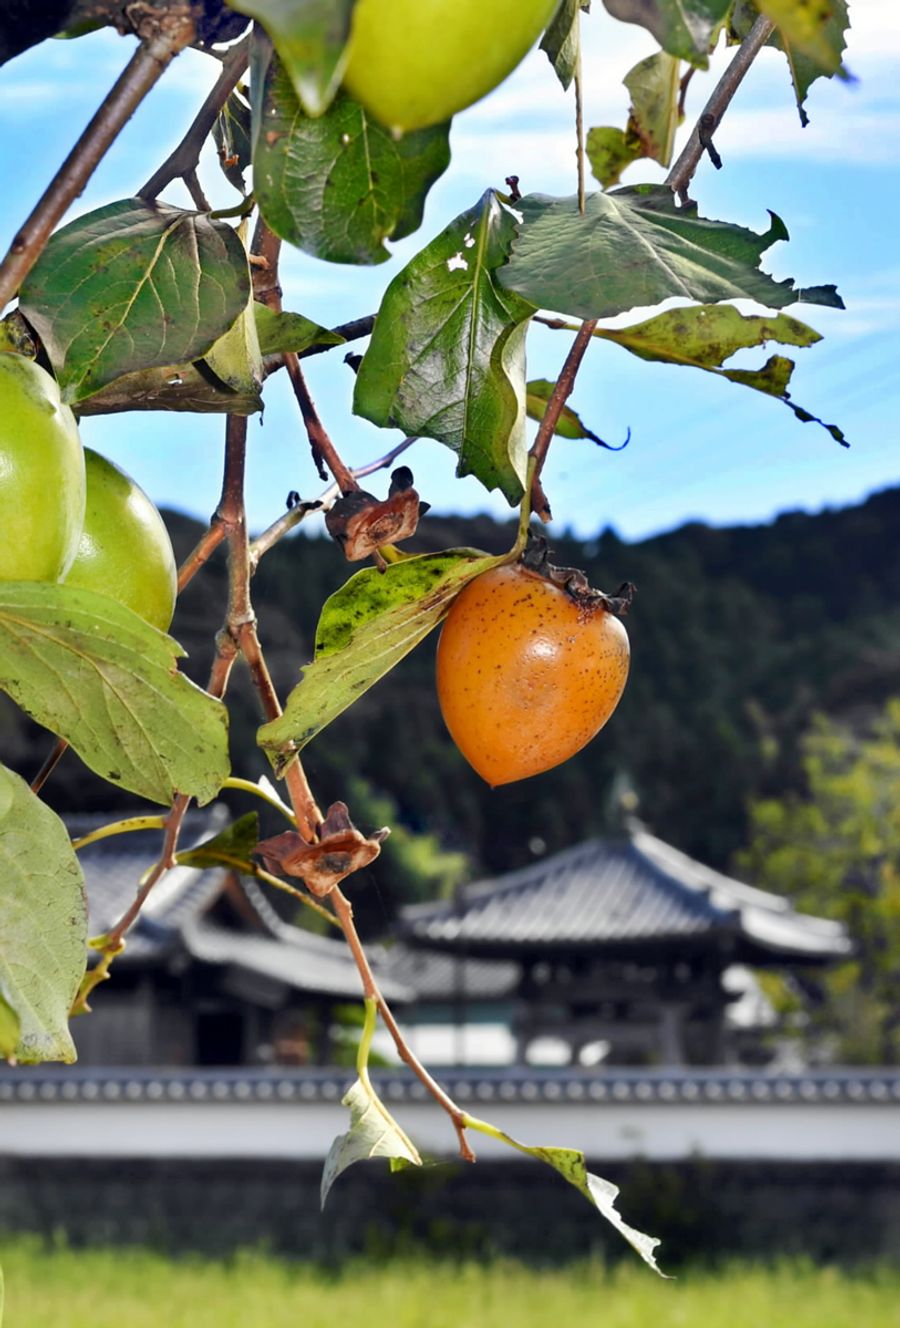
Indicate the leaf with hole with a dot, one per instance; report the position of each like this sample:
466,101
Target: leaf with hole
97,675
339,185
43,925
133,286
365,628
634,247
447,355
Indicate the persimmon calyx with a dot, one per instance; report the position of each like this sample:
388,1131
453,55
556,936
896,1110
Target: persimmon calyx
573,580
340,851
362,524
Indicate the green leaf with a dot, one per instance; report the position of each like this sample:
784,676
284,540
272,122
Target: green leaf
285,331
571,1165
233,844
652,121
132,286
366,627
373,1131
236,360
813,29
683,28
232,137
610,151
704,336
95,673
43,923
338,186
635,247
562,40
568,425
310,37
447,355
10,1030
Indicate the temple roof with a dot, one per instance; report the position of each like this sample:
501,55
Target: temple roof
624,897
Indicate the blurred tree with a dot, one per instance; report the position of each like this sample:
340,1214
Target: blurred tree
836,852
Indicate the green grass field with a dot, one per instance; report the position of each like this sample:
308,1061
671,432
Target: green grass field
135,1289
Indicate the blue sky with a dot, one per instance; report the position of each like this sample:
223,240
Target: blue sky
701,449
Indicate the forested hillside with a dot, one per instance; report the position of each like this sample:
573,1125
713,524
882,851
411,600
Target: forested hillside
738,636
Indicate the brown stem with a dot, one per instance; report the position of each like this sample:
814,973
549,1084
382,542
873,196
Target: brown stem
201,553
183,162
579,118
52,761
240,622
323,449
681,174
267,289
162,37
113,939
344,911
308,815
558,397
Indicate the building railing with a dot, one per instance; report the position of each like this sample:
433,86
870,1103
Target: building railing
519,1085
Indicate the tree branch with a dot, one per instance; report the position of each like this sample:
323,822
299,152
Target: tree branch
344,911
162,36
182,163
558,397
681,174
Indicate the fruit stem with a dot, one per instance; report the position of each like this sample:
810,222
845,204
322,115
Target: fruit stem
344,911
579,113
682,172
547,427
162,37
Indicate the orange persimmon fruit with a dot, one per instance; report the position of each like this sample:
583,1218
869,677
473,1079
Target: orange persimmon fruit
527,674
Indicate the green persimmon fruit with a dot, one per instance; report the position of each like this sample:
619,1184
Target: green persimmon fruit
414,63
125,551
41,474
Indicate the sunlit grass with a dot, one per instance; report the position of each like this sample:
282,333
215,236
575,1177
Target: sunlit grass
62,1288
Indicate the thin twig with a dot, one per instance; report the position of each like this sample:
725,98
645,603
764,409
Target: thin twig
352,331
174,822
162,37
292,518
344,911
202,551
323,449
182,163
52,761
579,115
681,174
547,427
267,246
